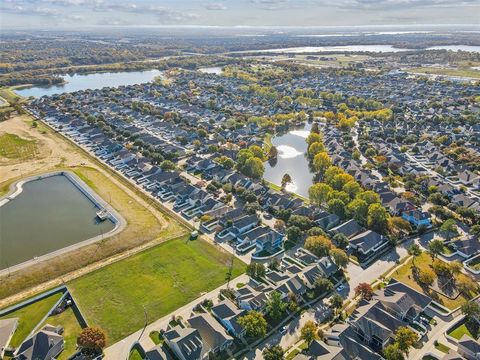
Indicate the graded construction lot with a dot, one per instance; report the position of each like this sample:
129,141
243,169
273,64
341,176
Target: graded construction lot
147,224
159,280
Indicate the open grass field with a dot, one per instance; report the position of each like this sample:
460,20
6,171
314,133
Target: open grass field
72,329
404,274
461,72
162,279
147,223
14,147
30,316
9,95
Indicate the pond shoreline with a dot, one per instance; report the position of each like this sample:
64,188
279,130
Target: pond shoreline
16,189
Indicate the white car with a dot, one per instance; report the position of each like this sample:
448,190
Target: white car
340,287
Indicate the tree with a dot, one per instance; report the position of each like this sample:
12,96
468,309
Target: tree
339,257
315,148
466,285
254,324
370,197
323,285
293,233
256,270
274,352
318,245
398,224
449,228
92,338
286,179
336,302
273,152
308,332
256,151
318,193
321,162
313,138
300,221
426,276
377,218
275,306
364,290
405,338
475,230
435,247
337,207
340,240
471,310
254,168
358,209
167,165
352,188
392,352
415,251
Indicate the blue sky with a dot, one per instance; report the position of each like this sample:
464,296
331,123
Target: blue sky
75,13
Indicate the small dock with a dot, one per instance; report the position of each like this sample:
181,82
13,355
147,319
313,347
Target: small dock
103,214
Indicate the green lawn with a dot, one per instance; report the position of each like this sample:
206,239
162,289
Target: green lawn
404,274
155,336
30,316
475,263
72,329
135,355
442,347
462,329
162,279
14,147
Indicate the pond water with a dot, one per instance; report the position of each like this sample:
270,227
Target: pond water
48,215
78,82
291,159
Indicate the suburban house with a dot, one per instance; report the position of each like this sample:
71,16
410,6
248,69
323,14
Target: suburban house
186,343
367,243
46,344
211,332
227,313
469,348
252,298
394,306
417,218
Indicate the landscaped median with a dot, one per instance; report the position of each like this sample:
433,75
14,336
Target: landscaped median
161,279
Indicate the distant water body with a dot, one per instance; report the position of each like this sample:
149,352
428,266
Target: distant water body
78,82
358,48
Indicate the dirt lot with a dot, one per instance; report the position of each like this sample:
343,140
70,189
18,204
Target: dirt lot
147,224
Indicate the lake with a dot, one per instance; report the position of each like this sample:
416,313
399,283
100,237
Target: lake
346,48
456,48
291,159
48,215
78,82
